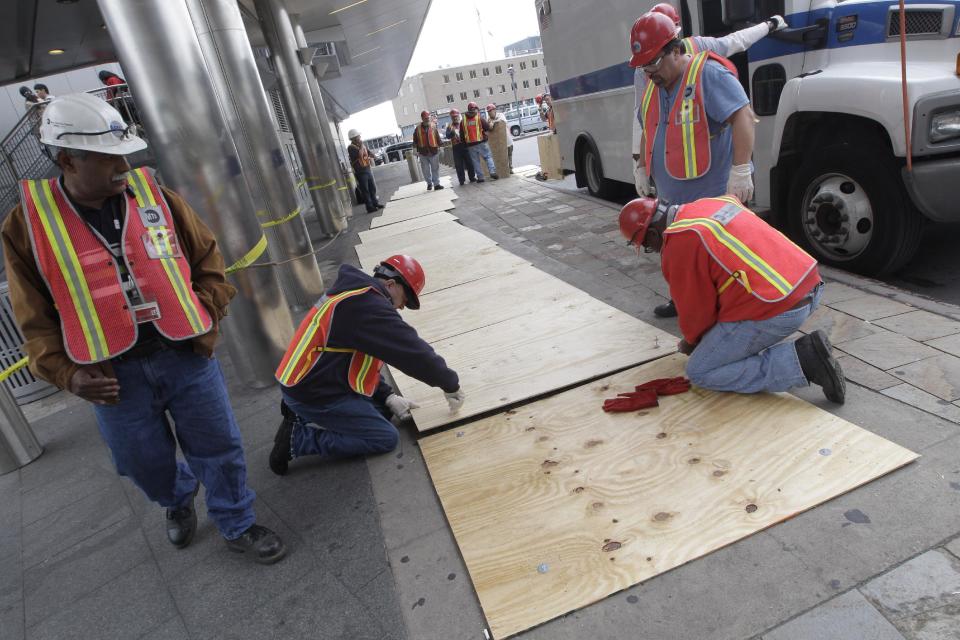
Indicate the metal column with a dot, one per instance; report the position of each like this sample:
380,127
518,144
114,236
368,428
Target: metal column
233,73
322,178
161,55
328,142
18,445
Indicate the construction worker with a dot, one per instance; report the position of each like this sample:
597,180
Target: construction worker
335,404
362,162
119,289
698,128
473,132
545,109
461,157
426,139
740,288
725,46
493,117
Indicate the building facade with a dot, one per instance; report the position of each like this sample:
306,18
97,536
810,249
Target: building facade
523,47
452,88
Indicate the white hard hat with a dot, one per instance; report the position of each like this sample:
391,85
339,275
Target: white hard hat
353,133
87,123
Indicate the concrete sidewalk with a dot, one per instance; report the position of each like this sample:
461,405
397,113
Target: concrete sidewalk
83,555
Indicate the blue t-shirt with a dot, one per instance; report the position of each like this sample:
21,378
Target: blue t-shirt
723,96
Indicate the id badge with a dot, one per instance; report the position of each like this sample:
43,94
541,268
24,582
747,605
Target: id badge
161,242
146,312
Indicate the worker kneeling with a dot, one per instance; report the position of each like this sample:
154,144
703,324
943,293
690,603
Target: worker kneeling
740,288
335,404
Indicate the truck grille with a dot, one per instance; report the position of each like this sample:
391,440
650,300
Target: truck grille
925,22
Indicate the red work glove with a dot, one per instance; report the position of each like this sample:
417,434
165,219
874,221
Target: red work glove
631,401
666,386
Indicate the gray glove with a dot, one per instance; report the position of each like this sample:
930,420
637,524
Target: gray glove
455,399
400,406
776,23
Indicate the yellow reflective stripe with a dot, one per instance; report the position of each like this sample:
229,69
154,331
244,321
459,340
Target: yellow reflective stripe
687,123
364,370
71,270
645,104
250,257
287,218
741,250
170,266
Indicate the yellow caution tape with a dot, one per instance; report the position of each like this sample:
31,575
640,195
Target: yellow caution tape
301,183
290,216
250,258
12,369
323,186
341,188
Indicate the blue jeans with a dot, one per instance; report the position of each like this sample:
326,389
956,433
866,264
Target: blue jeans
463,163
478,151
350,426
368,188
191,388
430,165
748,357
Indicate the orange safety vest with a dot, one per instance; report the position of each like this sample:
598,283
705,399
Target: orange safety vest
690,46
687,143
757,256
471,129
364,160
310,340
96,317
432,139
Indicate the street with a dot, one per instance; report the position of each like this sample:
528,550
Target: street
934,272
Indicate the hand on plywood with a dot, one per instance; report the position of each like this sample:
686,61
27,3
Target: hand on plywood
455,399
400,406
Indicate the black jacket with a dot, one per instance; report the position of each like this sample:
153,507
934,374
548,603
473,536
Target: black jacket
369,324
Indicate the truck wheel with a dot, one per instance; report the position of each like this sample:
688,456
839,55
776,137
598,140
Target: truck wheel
597,185
848,209
515,131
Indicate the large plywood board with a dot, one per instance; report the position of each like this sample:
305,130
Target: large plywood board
449,266
467,307
408,211
557,504
406,225
418,242
418,188
423,195
547,349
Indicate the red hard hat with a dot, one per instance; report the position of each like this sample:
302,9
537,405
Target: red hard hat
635,217
668,10
472,106
424,114
411,274
491,107
539,99
651,33
454,112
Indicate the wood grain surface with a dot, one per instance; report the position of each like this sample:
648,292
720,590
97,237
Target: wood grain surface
432,239
418,189
407,225
409,209
557,504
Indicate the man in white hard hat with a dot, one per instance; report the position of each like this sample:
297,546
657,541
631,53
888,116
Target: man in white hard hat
118,288
362,162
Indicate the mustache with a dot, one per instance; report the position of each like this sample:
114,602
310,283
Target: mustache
118,177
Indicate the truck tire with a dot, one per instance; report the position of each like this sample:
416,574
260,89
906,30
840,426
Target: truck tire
515,130
848,208
597,185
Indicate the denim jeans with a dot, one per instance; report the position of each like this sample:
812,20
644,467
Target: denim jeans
478,151
463,163
191,388
748,357
369,189
350,426
430,166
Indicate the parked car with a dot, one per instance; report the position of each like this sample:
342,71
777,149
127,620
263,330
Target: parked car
524,120
394,152
378,158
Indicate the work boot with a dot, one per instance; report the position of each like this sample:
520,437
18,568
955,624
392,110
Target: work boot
182,523
280,454
264,545
494,176
381,206
438,187
665,310
480,181
473,179
820,367
429,187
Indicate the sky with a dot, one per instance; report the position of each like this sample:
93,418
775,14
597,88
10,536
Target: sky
442,43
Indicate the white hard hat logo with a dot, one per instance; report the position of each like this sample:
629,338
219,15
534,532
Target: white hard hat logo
118,128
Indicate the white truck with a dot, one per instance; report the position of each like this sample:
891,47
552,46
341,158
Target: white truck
830,155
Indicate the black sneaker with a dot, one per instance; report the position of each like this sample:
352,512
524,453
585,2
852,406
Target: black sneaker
438,187
280,454
381,206
665,310
494,176
479,180
429,187
264,545
820,367
182,523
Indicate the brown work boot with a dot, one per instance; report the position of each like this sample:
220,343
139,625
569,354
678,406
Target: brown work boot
820,367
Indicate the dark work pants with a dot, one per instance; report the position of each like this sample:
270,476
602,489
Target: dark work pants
462,162
369,190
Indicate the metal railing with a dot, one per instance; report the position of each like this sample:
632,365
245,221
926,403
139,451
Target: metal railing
22,157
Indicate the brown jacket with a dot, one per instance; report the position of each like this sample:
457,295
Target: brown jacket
40,322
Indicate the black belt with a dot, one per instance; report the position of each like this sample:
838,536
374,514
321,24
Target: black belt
152,346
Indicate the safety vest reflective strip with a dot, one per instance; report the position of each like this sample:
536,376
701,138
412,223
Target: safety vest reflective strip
473,129
161,242
688,104
359,373
71,269
432,139
690,46
742,251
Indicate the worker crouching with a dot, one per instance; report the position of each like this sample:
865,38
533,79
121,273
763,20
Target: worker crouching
740,288
335,404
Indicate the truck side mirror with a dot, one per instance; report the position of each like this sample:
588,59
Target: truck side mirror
738,11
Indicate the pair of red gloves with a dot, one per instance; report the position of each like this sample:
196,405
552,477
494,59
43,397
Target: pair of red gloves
644,396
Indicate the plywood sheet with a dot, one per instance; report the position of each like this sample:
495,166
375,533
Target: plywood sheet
417,242
406,225
556,505
418,188
420,193
544,350
404,211
450,267
468,306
